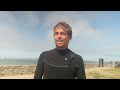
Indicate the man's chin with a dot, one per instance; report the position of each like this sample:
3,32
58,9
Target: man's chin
60,46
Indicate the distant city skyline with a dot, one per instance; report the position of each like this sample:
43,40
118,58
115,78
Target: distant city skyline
25,34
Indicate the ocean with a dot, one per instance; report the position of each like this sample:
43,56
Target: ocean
18,62
28,62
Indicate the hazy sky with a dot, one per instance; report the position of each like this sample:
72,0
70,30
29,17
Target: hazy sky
25,34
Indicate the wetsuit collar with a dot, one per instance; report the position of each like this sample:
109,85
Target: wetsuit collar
62,52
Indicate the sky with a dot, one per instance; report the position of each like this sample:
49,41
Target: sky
26,34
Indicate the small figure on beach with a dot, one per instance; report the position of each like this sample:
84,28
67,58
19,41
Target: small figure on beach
60,62
116,63
101,62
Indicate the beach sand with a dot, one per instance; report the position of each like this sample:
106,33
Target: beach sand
17,71
27,72
18,77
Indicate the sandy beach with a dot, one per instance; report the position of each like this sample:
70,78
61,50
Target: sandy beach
27,72
18,77
17,71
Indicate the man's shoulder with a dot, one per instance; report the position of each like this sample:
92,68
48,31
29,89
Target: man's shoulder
47,51
75,55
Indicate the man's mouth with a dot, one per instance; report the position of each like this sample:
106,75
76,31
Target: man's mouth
59,41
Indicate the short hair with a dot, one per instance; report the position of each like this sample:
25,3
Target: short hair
65,26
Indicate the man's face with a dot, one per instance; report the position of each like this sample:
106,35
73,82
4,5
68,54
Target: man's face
61,38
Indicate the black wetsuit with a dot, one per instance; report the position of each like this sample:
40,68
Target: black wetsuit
60,64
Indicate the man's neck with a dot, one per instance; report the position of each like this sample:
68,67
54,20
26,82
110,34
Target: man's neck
61,48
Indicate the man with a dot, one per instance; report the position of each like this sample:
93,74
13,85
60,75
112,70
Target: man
102,62
60,62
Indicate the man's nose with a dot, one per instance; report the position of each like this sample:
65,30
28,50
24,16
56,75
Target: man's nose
59,35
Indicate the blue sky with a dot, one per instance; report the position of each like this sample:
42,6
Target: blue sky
25,34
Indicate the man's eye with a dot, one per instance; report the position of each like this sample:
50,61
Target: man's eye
56,33
63,33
